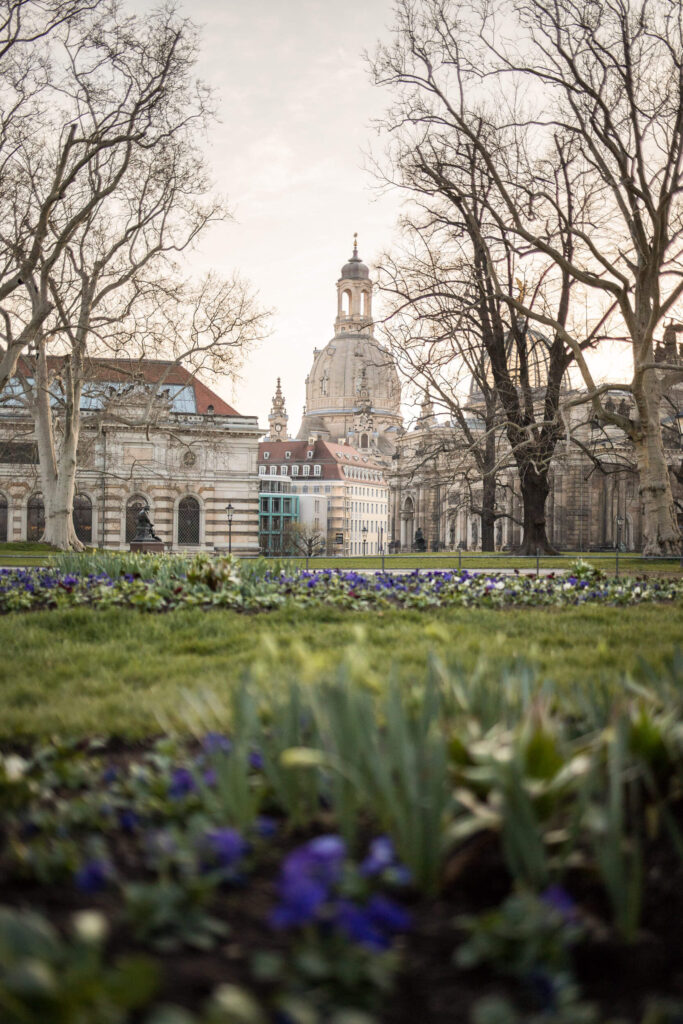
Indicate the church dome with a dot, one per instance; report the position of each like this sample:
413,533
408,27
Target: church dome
355,269
353,390
347,366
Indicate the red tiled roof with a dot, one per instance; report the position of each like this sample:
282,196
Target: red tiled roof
153,371
330,456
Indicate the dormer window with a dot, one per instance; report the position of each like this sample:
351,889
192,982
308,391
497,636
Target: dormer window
288,455
266,455
309,454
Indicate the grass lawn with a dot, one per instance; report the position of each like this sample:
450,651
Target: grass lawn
119,672
24,552
629,562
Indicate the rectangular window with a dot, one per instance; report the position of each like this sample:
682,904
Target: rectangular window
273,470
307,470
287,506
283,470
316,471
295,470
276,524
262,471
23,453
276,504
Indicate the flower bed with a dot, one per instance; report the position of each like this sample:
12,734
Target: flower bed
158,585
443,852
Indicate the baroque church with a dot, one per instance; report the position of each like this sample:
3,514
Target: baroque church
353,398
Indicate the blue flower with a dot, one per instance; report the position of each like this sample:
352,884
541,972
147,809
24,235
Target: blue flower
358,926
109,775
388,915
300,900
382,855
216,742
256,760
226,846
182,783
93,876
129,820
265,827
560,900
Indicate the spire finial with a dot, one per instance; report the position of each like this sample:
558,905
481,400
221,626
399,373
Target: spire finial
355,243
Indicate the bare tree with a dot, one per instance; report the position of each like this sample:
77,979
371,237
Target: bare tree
448,301
302,539
107,89
522,85
115,275
439,353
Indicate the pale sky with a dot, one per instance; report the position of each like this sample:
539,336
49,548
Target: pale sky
296,106
296,109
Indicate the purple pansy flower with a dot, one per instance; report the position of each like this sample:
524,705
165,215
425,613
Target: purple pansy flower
182,783
93,876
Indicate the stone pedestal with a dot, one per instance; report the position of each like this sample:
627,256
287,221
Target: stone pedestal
147,546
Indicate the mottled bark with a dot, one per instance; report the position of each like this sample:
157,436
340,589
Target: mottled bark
57,467
661,535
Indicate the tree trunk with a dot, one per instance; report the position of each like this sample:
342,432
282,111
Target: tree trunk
57,467
661,535
488,514
535,489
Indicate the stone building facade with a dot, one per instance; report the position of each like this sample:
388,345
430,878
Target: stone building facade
152,433
348,486
353,397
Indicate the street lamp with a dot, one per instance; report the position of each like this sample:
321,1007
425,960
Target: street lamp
229,511
364,531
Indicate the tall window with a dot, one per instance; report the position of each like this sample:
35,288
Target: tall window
35,517
3,518
133,506
188,521
83,518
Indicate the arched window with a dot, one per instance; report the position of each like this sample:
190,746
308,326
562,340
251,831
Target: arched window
133,506
83,518
3,518
35,517
188,521
346,302
365,303
364,440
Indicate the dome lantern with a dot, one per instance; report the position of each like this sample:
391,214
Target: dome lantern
354,296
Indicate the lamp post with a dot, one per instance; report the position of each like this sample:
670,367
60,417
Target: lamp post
229,511
364,531
620,523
